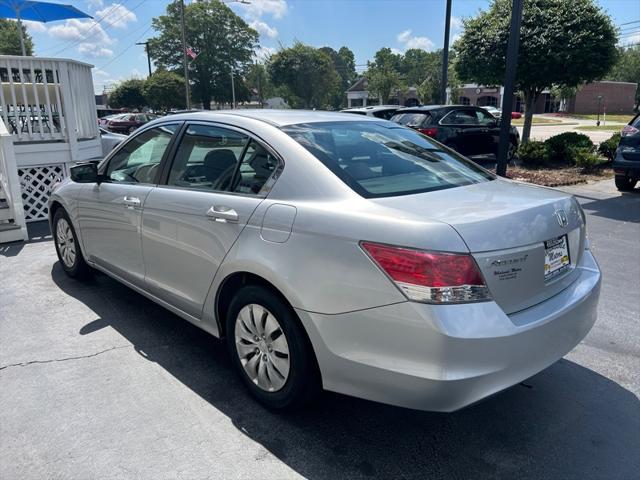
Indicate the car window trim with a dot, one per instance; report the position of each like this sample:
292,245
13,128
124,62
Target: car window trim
163,181
104,165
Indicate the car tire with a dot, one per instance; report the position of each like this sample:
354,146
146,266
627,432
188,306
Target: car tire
131,130
68,247
625,184
270,349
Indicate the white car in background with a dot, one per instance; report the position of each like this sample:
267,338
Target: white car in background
110,140
379,111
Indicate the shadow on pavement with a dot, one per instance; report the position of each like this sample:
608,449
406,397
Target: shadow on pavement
566,422
623,207
38,232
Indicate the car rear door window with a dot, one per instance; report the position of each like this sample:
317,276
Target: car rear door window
378,160
138,159
460,117
412,119
207,158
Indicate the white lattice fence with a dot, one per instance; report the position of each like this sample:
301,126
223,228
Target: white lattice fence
36,184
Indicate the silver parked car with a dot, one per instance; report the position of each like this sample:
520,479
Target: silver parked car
336,251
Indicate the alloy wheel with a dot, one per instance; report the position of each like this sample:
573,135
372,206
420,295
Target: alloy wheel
66,242
262,347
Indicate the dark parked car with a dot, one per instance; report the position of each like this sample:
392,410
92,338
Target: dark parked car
469,130
129,122
627,162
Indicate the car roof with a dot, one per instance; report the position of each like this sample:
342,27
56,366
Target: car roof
428,108
372,108
278,118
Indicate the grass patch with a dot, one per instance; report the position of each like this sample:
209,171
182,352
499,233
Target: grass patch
609,128
536,121
557,177
614,117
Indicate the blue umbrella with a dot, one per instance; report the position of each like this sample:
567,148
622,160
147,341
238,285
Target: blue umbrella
37,12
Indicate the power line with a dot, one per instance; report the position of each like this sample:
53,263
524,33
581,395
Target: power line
629,23
125,50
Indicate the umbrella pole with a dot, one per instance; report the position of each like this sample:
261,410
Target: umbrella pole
24,52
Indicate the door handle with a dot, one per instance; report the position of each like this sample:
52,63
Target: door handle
223,214
132,202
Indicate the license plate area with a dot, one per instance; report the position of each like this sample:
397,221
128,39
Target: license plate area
556,257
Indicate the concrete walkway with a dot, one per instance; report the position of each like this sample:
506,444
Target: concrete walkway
542,132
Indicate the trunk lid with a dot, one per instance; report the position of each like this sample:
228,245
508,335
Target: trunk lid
508,227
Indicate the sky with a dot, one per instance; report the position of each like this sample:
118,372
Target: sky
109,40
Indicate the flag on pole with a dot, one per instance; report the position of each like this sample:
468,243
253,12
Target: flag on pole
192,53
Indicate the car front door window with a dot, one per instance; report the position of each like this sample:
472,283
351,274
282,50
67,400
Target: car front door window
139,159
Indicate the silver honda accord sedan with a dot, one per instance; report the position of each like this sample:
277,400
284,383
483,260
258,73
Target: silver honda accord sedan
336,252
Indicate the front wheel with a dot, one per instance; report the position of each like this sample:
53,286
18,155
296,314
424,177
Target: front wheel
67,247
270,349
625,184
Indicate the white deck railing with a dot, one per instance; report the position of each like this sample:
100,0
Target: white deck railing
45,99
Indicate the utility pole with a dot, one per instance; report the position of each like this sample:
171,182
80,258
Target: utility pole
146,48
445,54
184,58
509,84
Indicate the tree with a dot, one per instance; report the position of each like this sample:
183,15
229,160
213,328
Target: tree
10,38
307,73
221,38
128,94
383,74
164,90
345,66
627,68
258,81
561,43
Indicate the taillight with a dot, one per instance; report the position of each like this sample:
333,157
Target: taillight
629,130
430,132
430,277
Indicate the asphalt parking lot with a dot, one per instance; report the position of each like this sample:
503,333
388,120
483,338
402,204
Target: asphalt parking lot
98,382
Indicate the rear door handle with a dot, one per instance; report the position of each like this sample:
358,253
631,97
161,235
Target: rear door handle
223,214
132,202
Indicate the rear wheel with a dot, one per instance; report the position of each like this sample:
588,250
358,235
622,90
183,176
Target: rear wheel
131,130
625,184
67,247
270,349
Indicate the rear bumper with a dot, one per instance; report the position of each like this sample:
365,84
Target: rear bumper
443,358
630,168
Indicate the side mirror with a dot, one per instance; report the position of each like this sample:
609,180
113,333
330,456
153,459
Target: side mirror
85,173
493,123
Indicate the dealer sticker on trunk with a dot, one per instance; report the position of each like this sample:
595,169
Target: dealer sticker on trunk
556,257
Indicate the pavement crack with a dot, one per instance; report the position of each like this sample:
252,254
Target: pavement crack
54,360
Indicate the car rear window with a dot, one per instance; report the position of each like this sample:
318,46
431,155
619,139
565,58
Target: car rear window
384,114
635,122
412,119
381,160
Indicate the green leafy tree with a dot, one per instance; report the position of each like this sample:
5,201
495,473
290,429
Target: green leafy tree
221,38
10,38
561,43
344,63
307,73
128,94
383,74
257,80
627,68
164,90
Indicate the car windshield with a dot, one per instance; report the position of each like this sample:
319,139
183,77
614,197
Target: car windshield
383,160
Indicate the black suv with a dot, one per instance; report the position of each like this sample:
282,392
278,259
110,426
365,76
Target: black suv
472,131
626,165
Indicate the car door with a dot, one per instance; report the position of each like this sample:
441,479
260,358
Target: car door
216,181
490,133
109,212
467,135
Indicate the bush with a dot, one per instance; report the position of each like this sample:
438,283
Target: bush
584,158
560,148
533,153
608,147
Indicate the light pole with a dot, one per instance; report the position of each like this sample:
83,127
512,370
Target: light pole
184,57
509,83
599,101
233,90
146,49
445,54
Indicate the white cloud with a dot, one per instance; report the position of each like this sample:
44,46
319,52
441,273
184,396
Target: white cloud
94,3
264,29
258,8
135,73
101,73
263,53
95,51
34,27
410,41
630,40
456,23
396,51
115,15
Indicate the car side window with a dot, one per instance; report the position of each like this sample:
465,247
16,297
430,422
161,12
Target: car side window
461,117
485,118
138,160
257,166
207,158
